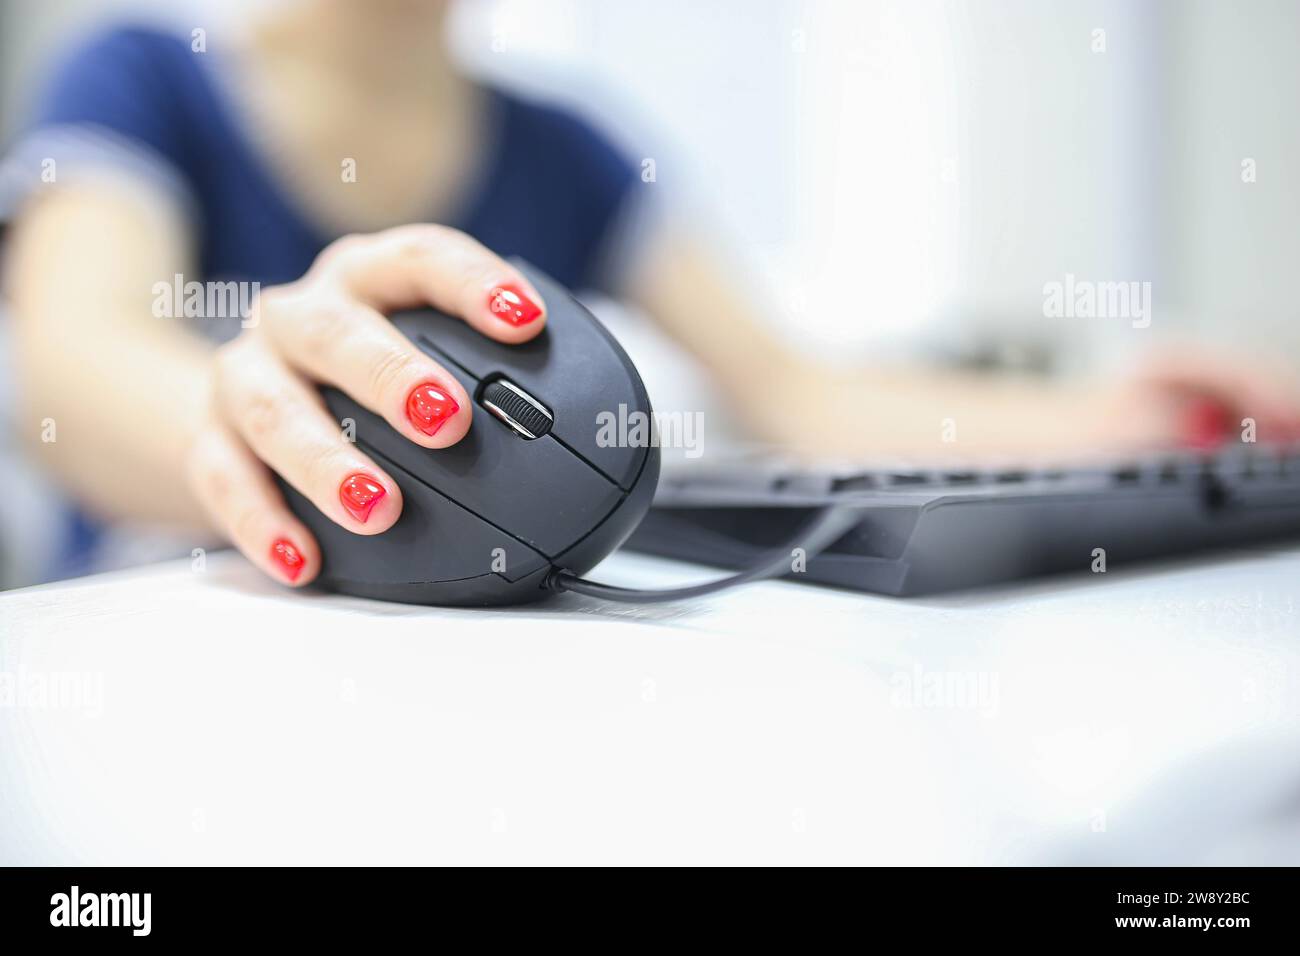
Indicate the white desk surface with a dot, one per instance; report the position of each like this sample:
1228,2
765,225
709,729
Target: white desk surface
1140,717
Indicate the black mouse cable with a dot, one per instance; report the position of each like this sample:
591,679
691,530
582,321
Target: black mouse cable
826,527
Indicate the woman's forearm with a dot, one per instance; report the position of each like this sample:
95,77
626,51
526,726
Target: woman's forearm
109,395
113,418
823,409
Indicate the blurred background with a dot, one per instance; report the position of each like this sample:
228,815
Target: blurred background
951,156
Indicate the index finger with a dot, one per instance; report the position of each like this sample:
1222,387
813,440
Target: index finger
439,266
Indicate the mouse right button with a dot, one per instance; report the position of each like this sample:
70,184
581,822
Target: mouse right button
600,406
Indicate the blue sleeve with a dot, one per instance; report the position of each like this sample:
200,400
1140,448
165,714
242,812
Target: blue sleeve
609,183
120,80
113,106
579,187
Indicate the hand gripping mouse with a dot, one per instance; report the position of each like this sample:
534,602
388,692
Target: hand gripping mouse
528,493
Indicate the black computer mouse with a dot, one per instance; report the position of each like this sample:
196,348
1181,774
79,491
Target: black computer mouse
535,487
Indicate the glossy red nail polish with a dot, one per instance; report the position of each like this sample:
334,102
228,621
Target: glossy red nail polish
429,406
511,304
359,494
287,557
1205,424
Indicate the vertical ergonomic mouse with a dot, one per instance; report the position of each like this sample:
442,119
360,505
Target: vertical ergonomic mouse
536,486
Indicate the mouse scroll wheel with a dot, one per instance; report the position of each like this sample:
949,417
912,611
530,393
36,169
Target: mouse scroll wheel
526,416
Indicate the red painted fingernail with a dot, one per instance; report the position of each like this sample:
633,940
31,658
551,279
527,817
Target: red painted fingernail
359,495
1205,424
511,303
428,407
286,555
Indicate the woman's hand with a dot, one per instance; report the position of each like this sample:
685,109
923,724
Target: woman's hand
1212,396
329,327
1181,398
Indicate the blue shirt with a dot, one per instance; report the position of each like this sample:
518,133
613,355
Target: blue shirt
549,188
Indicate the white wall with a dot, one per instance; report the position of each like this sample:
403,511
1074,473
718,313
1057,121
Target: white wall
1235,246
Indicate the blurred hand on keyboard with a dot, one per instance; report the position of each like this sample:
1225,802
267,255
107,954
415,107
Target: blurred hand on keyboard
1178,399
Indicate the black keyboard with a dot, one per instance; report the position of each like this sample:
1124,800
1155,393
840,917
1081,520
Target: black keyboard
925,531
